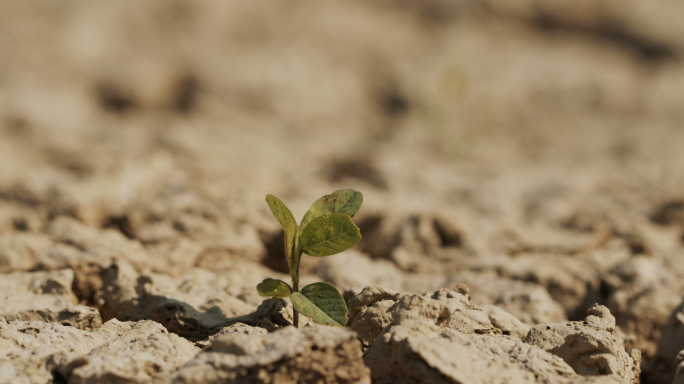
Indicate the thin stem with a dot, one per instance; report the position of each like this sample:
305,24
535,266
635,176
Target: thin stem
295,315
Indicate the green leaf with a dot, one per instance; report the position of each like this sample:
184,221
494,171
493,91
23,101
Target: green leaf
347,201
322,302
274,288
289,224
279,210
328,235
292,250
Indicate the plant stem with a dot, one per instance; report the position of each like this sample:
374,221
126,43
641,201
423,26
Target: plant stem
297,255
295,314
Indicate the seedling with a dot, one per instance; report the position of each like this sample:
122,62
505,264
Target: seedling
326,229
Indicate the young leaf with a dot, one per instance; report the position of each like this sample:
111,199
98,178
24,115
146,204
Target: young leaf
289,224
292,251
279,210
274,288
347,201
328,235
322,302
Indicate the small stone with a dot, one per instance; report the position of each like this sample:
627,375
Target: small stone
600,317
462,289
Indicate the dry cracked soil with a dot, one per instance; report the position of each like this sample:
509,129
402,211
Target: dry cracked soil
520,161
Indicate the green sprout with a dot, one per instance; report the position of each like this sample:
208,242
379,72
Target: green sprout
326,229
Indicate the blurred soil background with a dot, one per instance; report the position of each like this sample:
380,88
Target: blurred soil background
496,143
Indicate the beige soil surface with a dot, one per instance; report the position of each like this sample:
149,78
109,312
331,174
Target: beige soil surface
524,153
